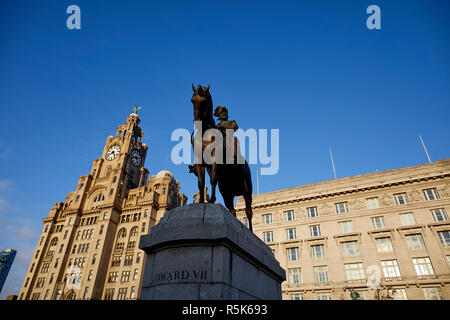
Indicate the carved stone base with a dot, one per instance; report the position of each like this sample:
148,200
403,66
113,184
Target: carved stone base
201,251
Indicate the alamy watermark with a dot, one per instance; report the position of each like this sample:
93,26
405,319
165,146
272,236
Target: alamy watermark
211,148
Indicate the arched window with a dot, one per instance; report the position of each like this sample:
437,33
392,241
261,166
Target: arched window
120,133
134,232
122,233
114,179
53,242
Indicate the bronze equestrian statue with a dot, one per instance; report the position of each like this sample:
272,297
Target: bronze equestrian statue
233,179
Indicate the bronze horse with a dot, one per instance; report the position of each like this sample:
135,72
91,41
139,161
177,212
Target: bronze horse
233,179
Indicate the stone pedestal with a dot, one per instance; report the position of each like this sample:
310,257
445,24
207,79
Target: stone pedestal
202,252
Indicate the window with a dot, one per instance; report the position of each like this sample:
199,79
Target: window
133,293
122,233
324,296
315,230
85,294
378,222
111,191
128,260
439,215
354,271
51,278
293,254
143,227
119,246
245,221
291,234
448,260
398,294
345,226
268,236
431,194
321,274
373,203
390,269
114,179
40,282
90,275
350,248
297,296
415,242
423,266
134,232
58,294
433,293
35,296
318,251
109,294
125,276
135,274
363,294
37,254
53,242
45,267
101,229
138,257
312,212
401,198
56,262
407,219
94,257
116,261
384,244
295,275
341,207
289,215
131,245
122,295
266,218
444,237
112,277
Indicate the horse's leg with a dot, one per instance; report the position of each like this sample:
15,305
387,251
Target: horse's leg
228,200
214,177
248,207
201,182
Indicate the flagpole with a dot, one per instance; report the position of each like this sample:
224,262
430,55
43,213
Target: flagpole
332,162
425,148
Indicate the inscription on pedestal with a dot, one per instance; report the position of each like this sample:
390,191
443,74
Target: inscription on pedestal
180,276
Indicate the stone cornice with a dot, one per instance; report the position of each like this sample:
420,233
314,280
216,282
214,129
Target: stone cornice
357,189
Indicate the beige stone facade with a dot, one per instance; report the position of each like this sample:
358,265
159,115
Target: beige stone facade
95,232
335,236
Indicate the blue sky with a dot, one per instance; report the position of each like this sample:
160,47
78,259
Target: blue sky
308,68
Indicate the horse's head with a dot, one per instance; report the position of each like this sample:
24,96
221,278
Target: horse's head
202,101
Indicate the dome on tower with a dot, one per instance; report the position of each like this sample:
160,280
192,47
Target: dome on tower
164,173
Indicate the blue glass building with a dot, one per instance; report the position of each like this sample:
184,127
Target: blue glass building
6,261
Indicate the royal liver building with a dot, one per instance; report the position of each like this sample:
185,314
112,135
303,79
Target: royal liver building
88,248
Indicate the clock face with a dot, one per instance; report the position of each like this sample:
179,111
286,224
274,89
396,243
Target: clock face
112,152
136,158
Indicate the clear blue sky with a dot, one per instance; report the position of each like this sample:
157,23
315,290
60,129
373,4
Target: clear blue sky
309,68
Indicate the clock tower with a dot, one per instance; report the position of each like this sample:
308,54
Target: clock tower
94,234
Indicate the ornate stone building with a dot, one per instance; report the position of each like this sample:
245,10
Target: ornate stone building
337,236
92,237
